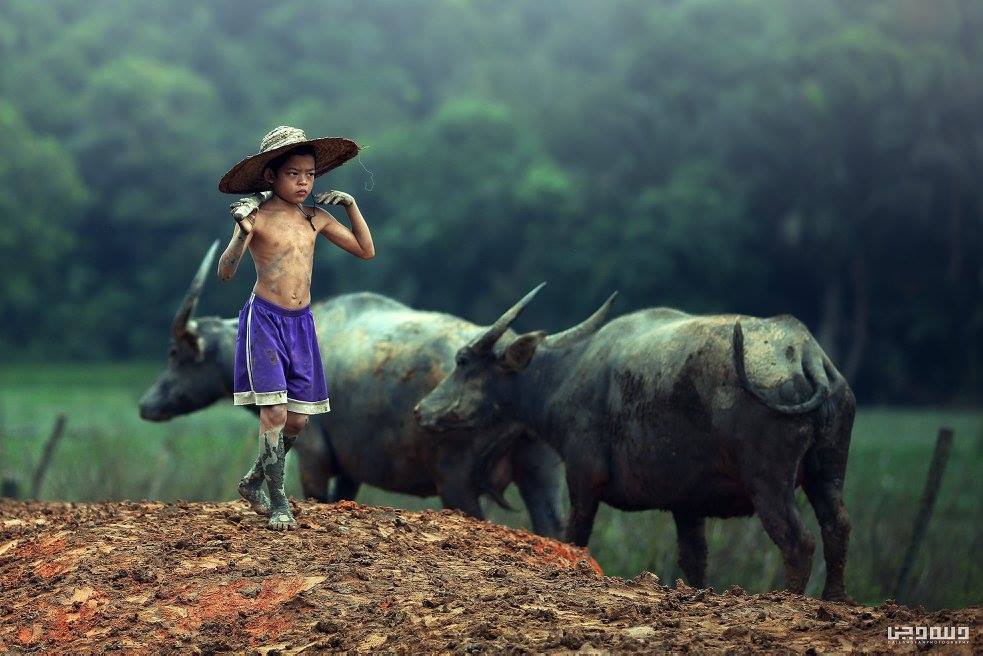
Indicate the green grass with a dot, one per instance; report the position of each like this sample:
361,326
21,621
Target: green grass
108,452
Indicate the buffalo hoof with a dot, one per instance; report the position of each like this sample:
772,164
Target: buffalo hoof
840,597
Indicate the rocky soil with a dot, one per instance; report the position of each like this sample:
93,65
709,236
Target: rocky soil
209,577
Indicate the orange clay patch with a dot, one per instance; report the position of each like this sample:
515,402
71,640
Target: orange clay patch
65,620
260,614
563,554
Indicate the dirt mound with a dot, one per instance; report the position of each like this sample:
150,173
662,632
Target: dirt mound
207,577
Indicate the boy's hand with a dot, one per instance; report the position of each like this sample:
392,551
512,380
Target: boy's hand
334,197
244,210
245,222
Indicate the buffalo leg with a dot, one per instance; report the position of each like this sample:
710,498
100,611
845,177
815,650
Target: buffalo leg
775,503
458,493
587,473
316,462
580,523
537,472
345,488
583,508
825,469
691,536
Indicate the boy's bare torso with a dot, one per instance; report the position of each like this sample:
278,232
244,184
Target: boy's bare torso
280,236
282,248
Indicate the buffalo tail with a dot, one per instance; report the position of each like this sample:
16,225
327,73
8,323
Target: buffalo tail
815,365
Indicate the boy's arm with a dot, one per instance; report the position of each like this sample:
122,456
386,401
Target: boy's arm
358,239
229,262
243,211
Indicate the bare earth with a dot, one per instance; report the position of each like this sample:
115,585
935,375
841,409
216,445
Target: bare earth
208,577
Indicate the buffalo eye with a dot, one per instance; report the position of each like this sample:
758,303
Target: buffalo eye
461,359
173,351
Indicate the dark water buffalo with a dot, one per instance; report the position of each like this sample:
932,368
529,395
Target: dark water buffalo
663,409
380,357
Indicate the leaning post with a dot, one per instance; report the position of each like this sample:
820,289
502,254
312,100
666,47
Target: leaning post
940,458
49,449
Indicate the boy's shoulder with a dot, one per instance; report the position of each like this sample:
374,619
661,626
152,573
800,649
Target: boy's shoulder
321,215
320,212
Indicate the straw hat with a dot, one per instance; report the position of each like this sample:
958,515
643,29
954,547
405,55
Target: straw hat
247,175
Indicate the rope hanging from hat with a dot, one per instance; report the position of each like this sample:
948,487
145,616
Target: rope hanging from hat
368,186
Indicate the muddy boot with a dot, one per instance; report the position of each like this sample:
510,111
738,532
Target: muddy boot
251,485
274,459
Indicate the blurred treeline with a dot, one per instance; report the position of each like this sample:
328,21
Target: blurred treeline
816,158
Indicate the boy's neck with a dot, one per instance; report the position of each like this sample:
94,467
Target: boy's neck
277,203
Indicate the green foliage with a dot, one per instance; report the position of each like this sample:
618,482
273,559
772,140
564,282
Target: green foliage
744,156
149,94
41,201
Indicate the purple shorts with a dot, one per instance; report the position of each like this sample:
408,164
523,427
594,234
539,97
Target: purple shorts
277,358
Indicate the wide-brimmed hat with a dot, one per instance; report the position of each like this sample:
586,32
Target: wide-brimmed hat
247,175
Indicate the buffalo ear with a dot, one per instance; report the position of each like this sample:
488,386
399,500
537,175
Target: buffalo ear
193,340
518,354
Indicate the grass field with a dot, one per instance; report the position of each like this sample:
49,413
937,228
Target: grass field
108,452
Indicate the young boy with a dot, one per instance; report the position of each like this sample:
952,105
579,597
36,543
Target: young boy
278,363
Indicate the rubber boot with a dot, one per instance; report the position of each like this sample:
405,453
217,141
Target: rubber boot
274,458
251,485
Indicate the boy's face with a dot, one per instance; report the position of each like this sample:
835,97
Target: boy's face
294,180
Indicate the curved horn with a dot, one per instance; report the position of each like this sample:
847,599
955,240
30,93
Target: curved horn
586,328
191,298
490,336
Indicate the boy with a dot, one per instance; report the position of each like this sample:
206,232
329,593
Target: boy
278,363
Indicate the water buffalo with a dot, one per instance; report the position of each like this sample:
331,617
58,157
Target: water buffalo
380,357
663,409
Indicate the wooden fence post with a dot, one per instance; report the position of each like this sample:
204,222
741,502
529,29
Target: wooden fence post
940,458
49,449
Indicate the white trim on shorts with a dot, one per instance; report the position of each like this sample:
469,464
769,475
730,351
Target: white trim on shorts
308,407
259,398
274,398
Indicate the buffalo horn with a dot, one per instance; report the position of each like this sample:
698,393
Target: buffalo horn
191,298
488,339
586,328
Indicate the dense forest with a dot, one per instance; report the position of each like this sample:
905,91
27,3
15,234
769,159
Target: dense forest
817,158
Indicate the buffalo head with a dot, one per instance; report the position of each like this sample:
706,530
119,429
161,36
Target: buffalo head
198,369
480,390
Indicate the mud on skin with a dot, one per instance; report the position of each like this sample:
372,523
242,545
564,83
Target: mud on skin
251,485
274,458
